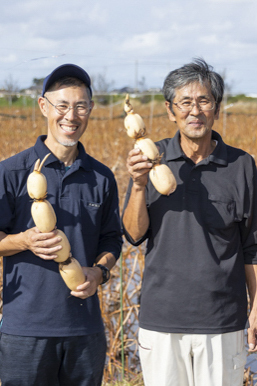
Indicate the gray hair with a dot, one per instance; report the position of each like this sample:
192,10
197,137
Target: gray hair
197,71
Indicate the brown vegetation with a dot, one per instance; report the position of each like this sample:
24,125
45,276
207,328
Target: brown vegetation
107,141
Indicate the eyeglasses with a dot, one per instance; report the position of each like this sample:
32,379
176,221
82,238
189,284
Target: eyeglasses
81,109
203,105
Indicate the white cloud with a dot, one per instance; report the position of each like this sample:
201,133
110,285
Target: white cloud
209,39
232,1
112,36
98,14
10,59
144,41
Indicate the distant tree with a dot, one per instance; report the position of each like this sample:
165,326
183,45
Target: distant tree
38,82
100,83
11,86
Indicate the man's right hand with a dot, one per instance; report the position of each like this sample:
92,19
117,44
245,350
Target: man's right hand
138,167
42,244
136,219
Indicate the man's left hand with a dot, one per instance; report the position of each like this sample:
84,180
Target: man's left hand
93,279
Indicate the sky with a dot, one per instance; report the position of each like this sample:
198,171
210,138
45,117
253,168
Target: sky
129,43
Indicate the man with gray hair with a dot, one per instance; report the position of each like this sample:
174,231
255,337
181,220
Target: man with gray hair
201,243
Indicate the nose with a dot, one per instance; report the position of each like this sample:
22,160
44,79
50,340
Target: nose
195,109
71,114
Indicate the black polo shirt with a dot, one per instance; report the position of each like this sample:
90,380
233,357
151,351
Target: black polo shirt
199,239
36,299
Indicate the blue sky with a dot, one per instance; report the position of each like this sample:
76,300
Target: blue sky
126,41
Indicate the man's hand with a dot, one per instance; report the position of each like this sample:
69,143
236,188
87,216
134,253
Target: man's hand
251,280
93,280
138,167
42,244
252,332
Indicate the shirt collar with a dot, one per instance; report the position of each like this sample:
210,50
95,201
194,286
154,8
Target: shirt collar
42,150
218,156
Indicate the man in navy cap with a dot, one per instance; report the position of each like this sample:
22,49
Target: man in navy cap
49,335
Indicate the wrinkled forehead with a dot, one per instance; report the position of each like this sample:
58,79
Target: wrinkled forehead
194,90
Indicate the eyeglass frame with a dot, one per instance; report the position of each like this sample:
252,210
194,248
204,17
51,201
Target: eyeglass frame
69,108
193,105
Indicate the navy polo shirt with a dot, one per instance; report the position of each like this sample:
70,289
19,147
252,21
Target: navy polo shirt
36,299
199,239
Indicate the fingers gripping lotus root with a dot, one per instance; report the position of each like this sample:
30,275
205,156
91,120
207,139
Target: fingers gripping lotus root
45,220
160,175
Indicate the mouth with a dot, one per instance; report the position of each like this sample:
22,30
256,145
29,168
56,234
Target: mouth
69,128
196,123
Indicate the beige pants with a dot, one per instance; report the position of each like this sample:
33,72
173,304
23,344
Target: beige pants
192,360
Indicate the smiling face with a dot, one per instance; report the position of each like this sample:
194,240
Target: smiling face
66,129
194,124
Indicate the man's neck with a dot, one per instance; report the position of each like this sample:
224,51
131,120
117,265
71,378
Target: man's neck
197,149
66,154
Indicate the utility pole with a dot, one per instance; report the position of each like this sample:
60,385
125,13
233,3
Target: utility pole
136,76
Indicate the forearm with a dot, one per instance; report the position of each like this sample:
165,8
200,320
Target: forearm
107,259
43,245
136,218
11,244
251,280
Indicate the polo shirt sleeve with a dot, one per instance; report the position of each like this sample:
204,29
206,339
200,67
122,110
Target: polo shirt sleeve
7,201
124,231
248,226
110,237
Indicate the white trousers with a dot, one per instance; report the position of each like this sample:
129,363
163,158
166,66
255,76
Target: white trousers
192,359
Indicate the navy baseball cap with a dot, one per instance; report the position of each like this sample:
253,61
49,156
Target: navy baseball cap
71,70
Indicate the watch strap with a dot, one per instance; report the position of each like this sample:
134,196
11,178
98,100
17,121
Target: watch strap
105,273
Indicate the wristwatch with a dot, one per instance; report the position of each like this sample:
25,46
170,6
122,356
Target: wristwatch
105,272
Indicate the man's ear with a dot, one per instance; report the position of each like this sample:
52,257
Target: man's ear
171,116
42,106
92,103
217,113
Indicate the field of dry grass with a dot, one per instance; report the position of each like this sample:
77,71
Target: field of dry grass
107,141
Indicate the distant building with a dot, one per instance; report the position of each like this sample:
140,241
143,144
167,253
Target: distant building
124,90
154,90
32,91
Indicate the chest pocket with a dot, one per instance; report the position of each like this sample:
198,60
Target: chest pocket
91,215
220,212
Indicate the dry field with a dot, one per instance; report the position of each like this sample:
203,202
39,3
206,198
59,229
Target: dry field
107,141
